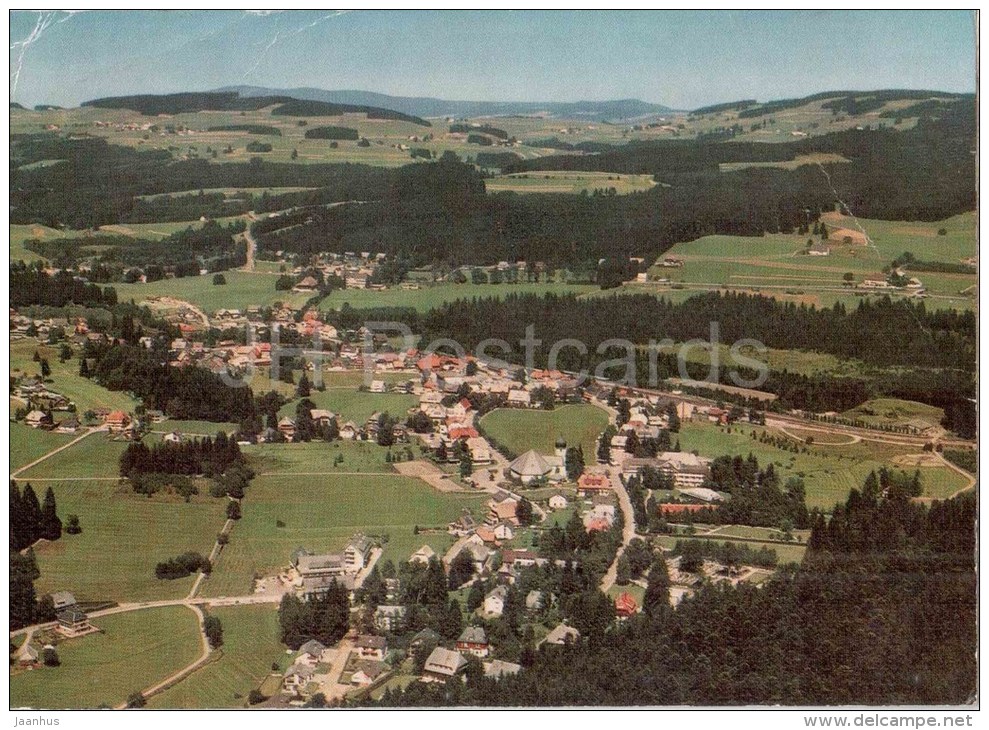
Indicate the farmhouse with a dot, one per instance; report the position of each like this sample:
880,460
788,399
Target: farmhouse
62,600
875,281
423,555
38,419
286,427
442,665
307,285
118,422
818,248
500,668
625,605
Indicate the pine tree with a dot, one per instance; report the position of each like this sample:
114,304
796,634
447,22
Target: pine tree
50,526
656,600
31,514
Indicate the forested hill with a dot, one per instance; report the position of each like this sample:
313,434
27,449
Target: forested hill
923,173
432,107
854,103
186,103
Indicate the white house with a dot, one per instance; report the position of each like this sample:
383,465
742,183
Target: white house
558,501
494,602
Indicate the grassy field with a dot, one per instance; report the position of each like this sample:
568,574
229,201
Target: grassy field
85,393
134,651
194,427
318,456
773,265
20,233
563,181
94,456
791,553
250,645
431,296
356,405
123,536
821,158
895,412
829,472
28,444
240,291
521,430
322,513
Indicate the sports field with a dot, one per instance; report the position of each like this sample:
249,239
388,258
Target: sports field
521,430
135,650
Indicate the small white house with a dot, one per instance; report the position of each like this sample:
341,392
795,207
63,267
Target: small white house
494,602
558,501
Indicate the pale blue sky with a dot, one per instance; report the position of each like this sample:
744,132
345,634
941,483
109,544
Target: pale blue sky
682,59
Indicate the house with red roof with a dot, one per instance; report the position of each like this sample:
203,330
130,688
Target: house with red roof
591,484
117,421
625,605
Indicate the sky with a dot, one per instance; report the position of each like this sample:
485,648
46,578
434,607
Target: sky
683,59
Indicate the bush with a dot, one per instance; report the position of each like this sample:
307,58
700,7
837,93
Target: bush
49,657
136,699
255,697
72,525
219,279
182,566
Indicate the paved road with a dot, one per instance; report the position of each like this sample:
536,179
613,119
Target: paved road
628,529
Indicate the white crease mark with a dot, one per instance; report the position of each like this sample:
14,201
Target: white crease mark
279,35
45,20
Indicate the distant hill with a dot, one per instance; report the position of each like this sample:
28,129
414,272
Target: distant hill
853,103
185,103
423,106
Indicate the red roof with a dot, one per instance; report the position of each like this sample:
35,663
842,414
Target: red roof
463,432
625,605
466,404
117,417
598,524
590,482
673,509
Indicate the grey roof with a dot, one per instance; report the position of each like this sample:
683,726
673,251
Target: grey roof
473,635
71,616
498,592
372,669
63,599
425,635
561,634
445,662
313,648
499,668
302,670
530,464
369,641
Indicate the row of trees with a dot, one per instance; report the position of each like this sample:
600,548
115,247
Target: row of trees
30,520
206,456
